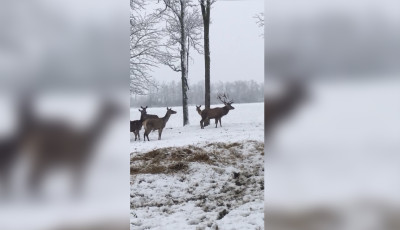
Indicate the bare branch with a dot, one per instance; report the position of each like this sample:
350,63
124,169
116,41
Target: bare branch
260,21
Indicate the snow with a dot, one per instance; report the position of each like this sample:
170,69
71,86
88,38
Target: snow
339,150
226,192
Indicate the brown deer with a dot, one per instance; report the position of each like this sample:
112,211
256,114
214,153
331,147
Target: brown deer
11,144
144,114
55,143
135,127
152,124
9,147
277,109
198,109
217,113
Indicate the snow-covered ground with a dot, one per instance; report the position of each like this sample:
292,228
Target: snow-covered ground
200,178
339,152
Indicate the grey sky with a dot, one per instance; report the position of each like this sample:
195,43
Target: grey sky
237,49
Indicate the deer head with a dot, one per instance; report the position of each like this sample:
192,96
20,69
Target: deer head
225,99
143,111
170,111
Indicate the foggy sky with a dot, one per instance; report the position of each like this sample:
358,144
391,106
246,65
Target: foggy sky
237,49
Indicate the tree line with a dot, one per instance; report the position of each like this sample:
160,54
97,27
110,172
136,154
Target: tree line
170,94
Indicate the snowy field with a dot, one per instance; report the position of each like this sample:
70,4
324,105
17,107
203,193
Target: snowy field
336,162
200,179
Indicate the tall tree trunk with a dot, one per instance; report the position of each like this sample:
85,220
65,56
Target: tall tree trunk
205,10
184,63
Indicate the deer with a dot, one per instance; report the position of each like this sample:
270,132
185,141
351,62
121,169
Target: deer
277,109
152,124
56,143
217,113
144,114
11,144
135,127
198,109
9,147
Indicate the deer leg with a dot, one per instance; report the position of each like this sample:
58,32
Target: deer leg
77,186
4,182
216,122
159,134
146,133
220,125
137,134
35,177
201,124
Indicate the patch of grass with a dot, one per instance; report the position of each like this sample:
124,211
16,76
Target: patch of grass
222,145
177,159
179,166
200,157
134,170
154,169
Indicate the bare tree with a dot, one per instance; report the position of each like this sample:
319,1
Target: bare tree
146,47
183,27
260,21
205,6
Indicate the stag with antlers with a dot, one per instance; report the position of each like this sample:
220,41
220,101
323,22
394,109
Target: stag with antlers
217,113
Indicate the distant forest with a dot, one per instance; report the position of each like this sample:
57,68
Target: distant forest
170,94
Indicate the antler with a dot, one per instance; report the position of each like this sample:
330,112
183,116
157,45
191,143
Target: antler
224,98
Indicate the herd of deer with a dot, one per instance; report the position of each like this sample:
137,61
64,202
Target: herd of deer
276,109
153,122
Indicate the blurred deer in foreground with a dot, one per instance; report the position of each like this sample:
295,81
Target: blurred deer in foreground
8,154
57,143
11,144
278,108
217,113
156,124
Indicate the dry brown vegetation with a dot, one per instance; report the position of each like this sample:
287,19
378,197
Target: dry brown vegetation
177,159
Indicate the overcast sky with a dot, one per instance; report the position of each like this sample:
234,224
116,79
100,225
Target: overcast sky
237,49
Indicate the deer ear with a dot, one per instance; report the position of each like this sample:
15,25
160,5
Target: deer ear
140,110
146,106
